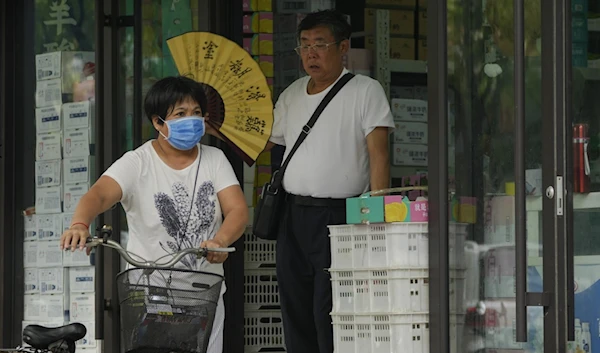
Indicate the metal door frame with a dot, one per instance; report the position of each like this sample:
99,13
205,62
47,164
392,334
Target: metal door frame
557,296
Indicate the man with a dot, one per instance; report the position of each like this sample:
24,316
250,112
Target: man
345,154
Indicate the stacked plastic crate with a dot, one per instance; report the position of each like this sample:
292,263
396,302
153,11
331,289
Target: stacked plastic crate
380,283
263,325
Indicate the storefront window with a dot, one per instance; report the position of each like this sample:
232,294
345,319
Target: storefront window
481,90
57,167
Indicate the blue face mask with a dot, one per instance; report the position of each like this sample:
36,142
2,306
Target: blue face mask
184,133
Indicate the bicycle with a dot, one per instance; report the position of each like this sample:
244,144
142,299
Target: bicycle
163,309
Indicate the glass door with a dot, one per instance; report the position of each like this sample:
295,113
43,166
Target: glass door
584,150
497,214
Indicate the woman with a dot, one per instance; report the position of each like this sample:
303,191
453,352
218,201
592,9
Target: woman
176,193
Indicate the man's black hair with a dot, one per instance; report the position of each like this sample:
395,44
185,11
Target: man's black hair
164,94
336,21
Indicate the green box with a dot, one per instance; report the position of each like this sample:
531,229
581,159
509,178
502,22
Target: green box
365,210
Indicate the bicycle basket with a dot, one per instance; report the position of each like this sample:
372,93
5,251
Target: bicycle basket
167,310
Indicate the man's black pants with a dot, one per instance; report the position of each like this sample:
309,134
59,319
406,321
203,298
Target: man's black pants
303,255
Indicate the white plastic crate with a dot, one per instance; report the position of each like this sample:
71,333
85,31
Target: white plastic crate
390,245
388,333
261,290
263,331
258,253
389,290
385,333
386,290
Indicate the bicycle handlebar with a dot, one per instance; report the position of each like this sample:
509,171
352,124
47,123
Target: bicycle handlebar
199,252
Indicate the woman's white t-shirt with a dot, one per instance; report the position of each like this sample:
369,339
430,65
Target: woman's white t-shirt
163,215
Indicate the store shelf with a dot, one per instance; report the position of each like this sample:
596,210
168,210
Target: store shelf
579,260
408,66
594,25
590,74
580,202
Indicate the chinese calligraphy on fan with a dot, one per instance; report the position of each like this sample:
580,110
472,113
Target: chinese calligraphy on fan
237,68
250,123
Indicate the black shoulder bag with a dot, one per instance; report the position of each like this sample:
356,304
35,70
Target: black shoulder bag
269,209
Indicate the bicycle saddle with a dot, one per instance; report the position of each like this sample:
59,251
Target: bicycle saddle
41,337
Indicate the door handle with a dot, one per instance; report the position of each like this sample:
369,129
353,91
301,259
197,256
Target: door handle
520,215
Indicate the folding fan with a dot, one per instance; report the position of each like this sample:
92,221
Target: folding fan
240,103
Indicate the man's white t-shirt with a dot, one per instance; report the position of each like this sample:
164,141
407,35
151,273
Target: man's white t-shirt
163,214
333,161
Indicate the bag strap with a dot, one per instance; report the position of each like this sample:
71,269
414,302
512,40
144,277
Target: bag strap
278,176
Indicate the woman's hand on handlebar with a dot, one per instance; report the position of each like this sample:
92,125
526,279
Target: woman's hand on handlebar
212,256
75,237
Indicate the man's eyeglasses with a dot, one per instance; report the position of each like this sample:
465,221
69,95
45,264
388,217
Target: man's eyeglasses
318,48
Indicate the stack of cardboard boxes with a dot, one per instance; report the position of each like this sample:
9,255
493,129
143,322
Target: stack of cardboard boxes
59,286
408,27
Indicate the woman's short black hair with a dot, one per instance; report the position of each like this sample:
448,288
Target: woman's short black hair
336,21
167,92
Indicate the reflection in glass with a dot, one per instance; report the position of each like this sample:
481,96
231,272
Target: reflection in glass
585,37
481,137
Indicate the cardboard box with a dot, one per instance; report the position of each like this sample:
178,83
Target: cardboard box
52,280
47,200
47,173
250,23
30,254
365,210
77,143
303,6
48,146
265,5
31,309
78,115
409,132
32,283
401,209
50,227
75,258
266,65
265,44
73,194
410,155
265,22
47,119
403,3
30,227
48,93
82,307
82,279
422,49
409,110
422,23
49,254
68,67
88,343
402,22
52,307
76,170
249,5
402,49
